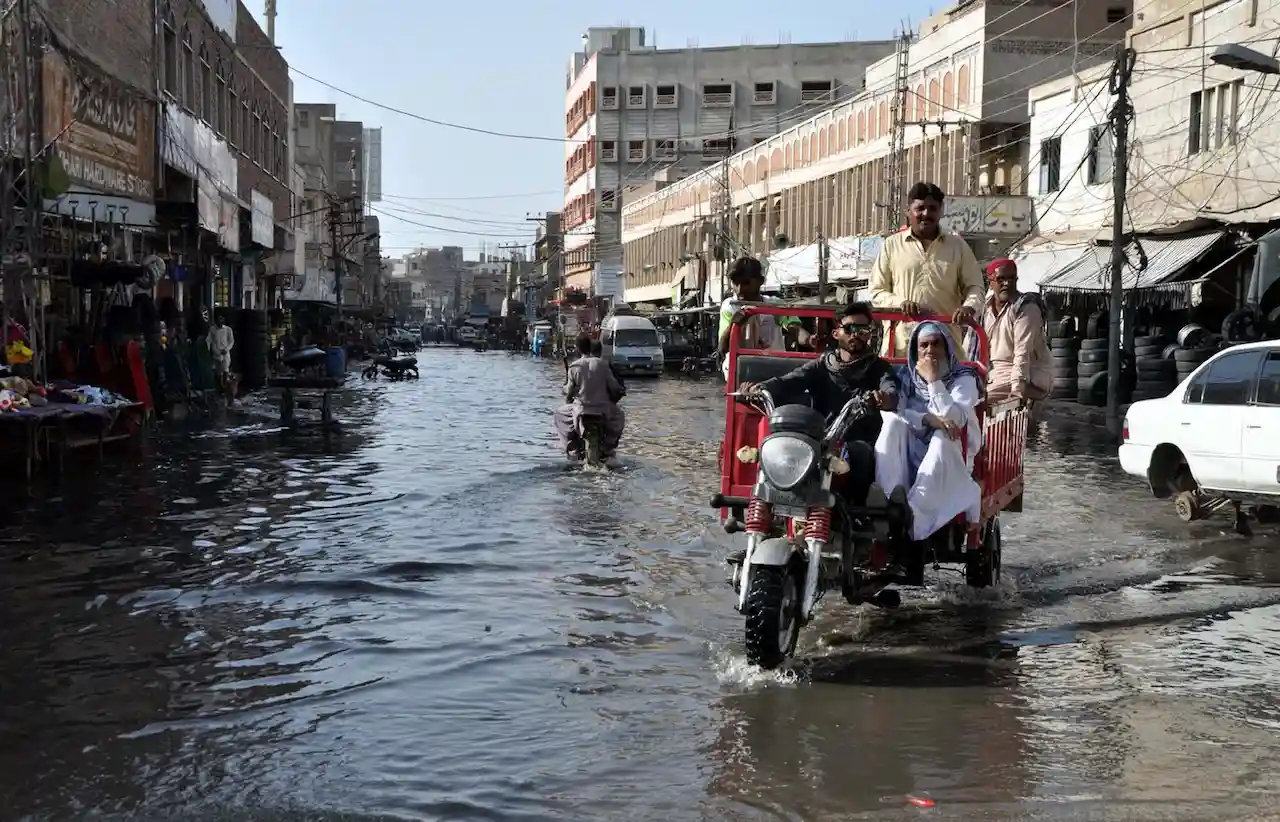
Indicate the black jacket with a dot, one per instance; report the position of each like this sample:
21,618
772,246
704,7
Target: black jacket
830,384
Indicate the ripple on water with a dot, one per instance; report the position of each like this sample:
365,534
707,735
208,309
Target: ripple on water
429,616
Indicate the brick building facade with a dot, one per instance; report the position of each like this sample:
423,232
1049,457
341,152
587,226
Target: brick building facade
240,89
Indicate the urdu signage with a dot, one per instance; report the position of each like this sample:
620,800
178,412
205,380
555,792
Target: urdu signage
103,133
987,216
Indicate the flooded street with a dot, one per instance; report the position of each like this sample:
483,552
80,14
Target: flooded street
431,618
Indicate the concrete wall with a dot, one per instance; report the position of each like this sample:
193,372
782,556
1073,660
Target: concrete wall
1232,180
1066,110
1171,183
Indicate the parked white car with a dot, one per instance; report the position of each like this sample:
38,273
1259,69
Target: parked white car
1216,436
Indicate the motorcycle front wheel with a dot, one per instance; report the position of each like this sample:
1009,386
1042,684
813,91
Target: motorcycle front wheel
772,614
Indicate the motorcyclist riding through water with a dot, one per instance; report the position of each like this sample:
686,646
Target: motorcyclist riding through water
590,389
834,378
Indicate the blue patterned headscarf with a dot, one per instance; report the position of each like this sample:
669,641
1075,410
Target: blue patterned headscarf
911,382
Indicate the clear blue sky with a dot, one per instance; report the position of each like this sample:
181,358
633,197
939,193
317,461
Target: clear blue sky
500,65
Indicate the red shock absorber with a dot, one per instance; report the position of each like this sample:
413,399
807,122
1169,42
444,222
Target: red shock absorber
759,517
818,524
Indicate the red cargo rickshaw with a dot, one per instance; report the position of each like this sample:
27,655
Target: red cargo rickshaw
862,548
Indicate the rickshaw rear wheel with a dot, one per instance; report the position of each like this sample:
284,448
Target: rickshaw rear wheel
772,613
982,567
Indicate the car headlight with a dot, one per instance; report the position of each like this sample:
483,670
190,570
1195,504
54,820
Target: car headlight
787,460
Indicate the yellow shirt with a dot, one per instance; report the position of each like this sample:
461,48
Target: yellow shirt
942,278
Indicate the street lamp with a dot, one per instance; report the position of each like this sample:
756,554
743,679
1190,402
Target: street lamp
1243,58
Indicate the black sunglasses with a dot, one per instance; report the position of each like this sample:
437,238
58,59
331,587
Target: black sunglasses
856,328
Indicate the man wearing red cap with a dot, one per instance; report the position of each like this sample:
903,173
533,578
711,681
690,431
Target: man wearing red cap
1021,367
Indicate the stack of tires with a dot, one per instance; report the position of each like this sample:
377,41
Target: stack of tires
1187,360
253,341
1065,373
1156,375
1092,371
1195,345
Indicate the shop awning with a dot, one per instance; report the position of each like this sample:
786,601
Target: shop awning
1042,263
1166,259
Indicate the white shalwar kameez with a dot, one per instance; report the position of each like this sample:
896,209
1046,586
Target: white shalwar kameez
937,474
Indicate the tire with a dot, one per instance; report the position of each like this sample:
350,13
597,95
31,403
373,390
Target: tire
1095,355
1192,355
1149,341
982,568
772,614
1155,369
1065,345
1089,369
1149,352
1094,345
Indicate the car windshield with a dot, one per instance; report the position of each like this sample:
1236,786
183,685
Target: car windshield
635,338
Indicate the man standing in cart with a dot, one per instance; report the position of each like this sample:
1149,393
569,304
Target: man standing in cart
926,271
1015,326
763,331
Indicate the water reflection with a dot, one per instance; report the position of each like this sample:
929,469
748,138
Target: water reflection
427,615
874,729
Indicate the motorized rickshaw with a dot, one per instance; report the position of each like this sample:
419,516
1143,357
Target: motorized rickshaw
791,522
540,339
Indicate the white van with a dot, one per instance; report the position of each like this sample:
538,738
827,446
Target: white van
631,344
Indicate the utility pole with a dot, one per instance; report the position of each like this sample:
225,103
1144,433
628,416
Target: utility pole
1121,113
721,248
335,225
824,266
896,163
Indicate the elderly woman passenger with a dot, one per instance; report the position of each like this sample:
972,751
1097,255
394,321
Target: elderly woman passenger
920,452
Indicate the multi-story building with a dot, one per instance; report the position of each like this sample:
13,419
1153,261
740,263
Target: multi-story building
445,278
372,165
313,141
961,90
330,153
1200,149
548,253
631,108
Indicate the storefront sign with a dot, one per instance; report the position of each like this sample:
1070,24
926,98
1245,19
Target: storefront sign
262,220
987,216
103,133
607,281
194,149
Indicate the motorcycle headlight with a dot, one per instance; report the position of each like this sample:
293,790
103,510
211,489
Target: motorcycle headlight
787,460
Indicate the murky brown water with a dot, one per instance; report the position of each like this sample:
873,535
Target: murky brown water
429,618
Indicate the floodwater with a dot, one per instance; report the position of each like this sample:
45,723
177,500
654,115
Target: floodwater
428,617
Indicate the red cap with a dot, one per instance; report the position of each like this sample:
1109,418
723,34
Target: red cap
996,265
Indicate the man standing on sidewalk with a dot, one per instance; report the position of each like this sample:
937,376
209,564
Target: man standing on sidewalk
1015,324
926,271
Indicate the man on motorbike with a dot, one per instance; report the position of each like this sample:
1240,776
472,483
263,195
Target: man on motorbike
590,388
597,350
835,377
